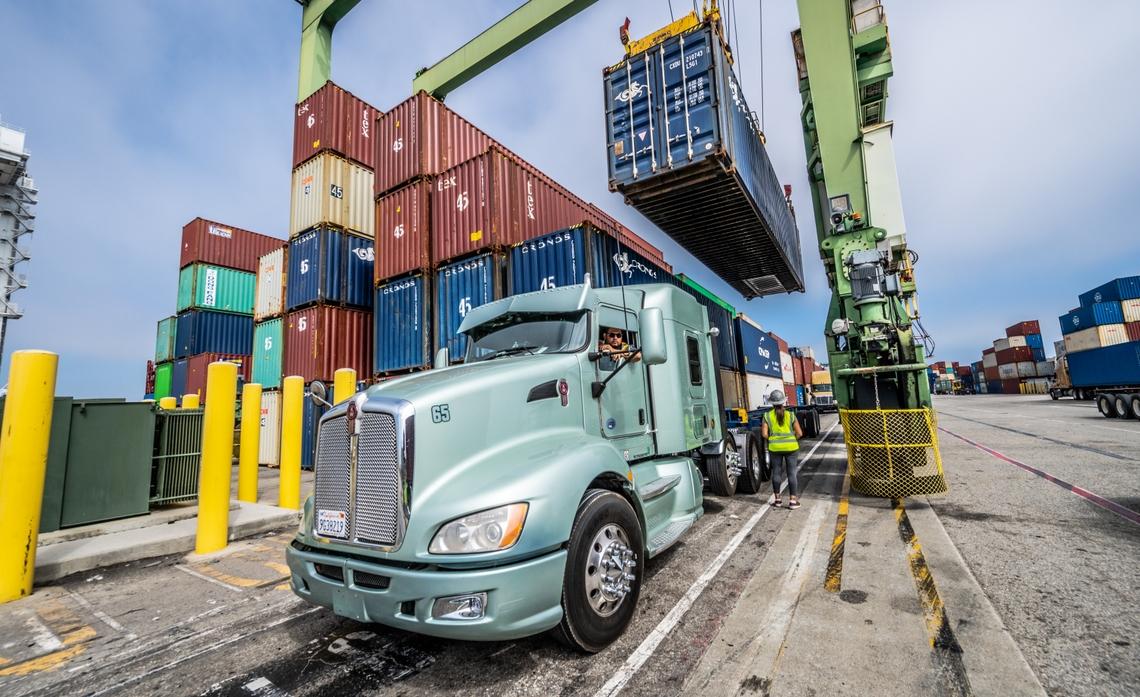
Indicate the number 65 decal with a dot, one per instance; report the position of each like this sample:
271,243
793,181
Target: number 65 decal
440,413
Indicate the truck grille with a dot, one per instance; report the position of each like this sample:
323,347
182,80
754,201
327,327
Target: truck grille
332,488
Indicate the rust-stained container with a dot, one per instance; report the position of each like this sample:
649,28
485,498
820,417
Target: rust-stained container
321,339
1014,354
331,190
1024,328
334,119
403,231
1133,331
197,367
1011,386
213,243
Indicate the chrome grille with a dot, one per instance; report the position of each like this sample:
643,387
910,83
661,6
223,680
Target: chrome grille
332,489
377,481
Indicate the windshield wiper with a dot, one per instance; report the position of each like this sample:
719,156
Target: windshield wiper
510,352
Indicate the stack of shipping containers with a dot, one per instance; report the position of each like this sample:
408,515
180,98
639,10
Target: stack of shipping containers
1016,363
978,374
803,365
1102,336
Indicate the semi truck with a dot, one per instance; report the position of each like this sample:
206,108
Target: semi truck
523,490
1109,375
822,396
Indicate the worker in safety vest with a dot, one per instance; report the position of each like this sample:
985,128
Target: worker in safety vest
782,431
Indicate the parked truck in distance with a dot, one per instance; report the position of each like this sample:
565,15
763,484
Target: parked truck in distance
1108,375
522,490
822,396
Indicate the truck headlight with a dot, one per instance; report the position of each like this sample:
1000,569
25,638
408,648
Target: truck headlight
485,531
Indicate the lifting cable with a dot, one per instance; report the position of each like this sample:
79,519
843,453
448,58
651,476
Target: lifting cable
670,10
761,66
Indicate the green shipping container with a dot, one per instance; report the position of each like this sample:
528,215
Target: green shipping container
162,375
268,350
205,287
164,344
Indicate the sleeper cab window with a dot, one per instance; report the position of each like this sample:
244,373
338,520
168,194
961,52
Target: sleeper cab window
696,376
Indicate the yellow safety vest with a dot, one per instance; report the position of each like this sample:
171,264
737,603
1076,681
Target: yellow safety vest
781,439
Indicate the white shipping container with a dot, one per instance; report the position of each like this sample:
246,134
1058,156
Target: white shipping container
1007,371
1131,309
330,189
1095,337
989,360
786,367
269,450
1015,341
759,387
1026,369
1001,344
806,352
1059,348
270,300
1046,368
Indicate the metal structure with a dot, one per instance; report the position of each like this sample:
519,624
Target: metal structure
17,218
875,343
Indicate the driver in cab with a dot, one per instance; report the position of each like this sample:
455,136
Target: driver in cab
614,346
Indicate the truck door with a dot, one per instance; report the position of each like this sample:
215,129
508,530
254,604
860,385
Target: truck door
623,409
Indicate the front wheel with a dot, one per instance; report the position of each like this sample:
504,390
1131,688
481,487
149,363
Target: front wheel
603,574
724,470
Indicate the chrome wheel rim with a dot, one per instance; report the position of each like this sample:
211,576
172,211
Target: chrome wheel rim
609,570
754,464
732,464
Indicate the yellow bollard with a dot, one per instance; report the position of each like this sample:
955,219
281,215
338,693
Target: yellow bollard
168,403
250,442
344,385
217,458
23,465
292,406
191,401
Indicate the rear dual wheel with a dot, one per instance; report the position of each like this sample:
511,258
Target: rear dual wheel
756,470
1127,406
1106,404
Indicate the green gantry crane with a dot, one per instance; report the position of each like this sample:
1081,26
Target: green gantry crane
875,342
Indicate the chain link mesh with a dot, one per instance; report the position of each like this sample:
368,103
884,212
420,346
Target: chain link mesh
893,453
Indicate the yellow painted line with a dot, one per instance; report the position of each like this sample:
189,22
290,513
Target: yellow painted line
277,566
933,611
834,578
72,632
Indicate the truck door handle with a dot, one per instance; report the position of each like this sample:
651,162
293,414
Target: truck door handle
641,417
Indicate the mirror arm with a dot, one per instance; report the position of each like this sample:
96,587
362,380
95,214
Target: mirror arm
597,388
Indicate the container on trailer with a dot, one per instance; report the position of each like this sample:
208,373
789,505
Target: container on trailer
178,377
732,388
1015,354
1007,371
758,351
268,353
1132,329
1093,315
197,368
269,447
334,119
1095,337
786,370
1125,288
204,331
321,339
1024,328
1111,366
685,150
330,266
403,231
270,298
402,325
329,189
989,360
207,287
208,242
164,344
1011,386
801,395
760,387
1046,369
1026,369
721,316
459,287
163,380
1131,310
790,394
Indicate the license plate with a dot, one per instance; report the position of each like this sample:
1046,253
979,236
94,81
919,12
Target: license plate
332,524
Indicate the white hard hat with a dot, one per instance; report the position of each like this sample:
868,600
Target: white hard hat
777,398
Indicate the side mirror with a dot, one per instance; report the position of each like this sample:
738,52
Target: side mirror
442,358
319,394
653,351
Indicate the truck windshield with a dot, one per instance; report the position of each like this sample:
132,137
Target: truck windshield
528,332
822,387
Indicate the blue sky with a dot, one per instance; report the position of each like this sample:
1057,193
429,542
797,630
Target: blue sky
1017,151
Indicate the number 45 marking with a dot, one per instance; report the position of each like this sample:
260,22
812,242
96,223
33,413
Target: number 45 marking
440,413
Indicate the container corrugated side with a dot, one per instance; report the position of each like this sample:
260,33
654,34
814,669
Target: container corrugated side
1046,368
1034,341
321,339
329,189
1091,316
403,231
1014,354
203,331
209,242
721,316
268,353
207,287
331,266
1001,344
270,297
622,265
1111,366
163,374
1131,310
311,415
459,287
1017,340
786,371
1132,329
269,447
760,387
165,339
1024,328
989,360
197,370
178,377
1095,337
1026,369
759,352
332,118
1124,288
402,325
562,258
1011,386
732,388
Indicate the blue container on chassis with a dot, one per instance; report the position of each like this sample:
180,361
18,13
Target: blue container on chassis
1126,288
1111,366
1091,316
459,287
331,266
202,331
759,352
696,166
402,320
563,258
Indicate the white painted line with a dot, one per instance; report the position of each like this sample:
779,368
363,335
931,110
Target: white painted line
103,617
204,577
649,645
44,637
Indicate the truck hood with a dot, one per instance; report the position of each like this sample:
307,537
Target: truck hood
505,381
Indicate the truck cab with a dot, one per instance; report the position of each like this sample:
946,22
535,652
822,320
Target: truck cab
822,396
522,490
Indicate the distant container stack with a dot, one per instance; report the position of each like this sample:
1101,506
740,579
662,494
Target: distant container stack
1016,363
1102,336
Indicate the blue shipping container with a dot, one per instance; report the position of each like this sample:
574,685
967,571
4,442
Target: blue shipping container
330,266
559,259
1038,354
403,335
203,331
1126,288
801,397
1034,341
722,319
623,266
178,373
459,287
759,351
1091,316
1111,366
993,387
686,151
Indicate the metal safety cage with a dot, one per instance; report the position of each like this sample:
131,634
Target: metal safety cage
177,456
893,453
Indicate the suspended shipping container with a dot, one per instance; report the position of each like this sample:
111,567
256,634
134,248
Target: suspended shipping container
403,231
270,300
1125,288
685,151
321,339
197,369
164,345
1095,337
208,242
721,316
163,374
330,189
459,287
1112,366
1093,315
333,119
268,352
206,287
402,326
330,266
203,331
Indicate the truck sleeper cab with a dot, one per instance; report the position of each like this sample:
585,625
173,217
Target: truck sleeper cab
522,490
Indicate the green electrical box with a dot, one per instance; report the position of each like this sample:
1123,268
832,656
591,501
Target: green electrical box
56,464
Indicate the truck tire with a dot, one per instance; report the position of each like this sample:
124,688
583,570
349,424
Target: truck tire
1054,394
722,470
1106,404
604,570
1134,405
766,472
752,478
1121,403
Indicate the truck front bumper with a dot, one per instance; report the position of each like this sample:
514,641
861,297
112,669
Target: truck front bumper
522,599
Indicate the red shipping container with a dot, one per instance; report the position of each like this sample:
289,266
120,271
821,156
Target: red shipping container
321,339
1014,354
333,119
988,351
403,231
1024,328
790,393
1011,386
992,373
224,245
197,368
798,370
1133,329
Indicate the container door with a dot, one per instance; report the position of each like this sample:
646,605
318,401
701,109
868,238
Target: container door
623,408
631,117
688,100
